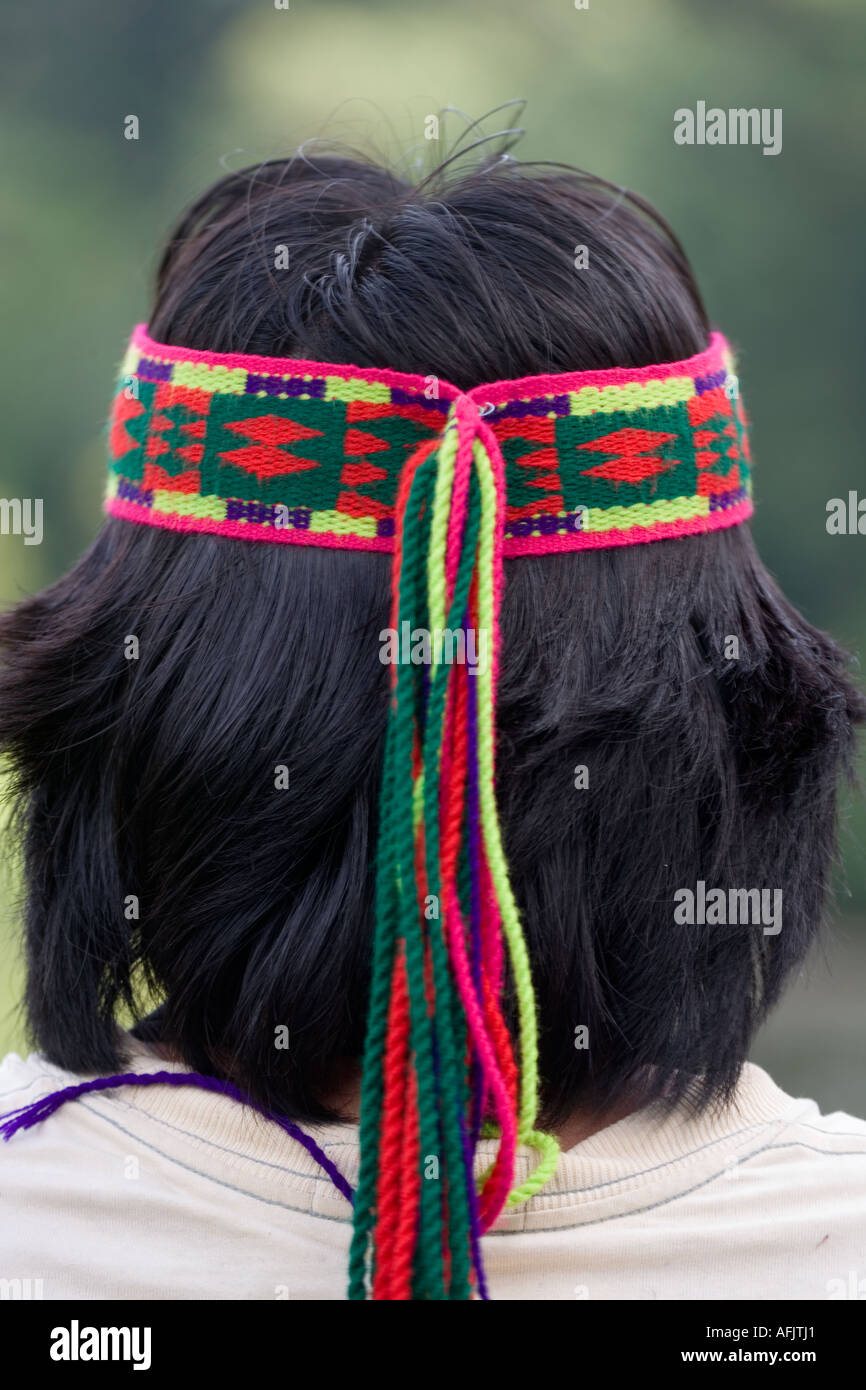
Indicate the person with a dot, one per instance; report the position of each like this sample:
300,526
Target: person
289,950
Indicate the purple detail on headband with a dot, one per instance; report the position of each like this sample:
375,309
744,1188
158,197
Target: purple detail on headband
542,405
26,1116
401,397
268,514
385,526
130,492
710,381
546,525
720,501
285,386
261,513
148,370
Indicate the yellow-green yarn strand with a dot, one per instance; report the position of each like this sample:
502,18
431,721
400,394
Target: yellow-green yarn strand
541,1174
489,818
518,953
544,1170
418,801
446,456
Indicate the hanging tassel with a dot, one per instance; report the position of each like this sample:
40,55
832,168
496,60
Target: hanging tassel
438,1058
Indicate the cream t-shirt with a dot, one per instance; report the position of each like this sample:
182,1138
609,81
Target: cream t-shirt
172,1192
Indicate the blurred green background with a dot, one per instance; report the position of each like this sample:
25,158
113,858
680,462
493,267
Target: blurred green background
777,244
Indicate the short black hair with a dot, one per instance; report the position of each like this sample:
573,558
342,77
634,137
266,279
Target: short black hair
155,777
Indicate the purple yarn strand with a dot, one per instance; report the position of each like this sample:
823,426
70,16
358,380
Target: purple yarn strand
473,829
474,1222
26,1116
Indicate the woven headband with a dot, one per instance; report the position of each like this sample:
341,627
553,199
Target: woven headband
450,482
270,448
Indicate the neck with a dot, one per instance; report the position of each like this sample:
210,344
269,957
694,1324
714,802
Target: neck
344,1100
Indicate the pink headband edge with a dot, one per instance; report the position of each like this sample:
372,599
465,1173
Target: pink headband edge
496,392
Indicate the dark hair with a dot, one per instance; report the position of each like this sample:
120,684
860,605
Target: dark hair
156,777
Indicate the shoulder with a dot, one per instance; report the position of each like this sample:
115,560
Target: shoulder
801,1160
801,1118
22,1078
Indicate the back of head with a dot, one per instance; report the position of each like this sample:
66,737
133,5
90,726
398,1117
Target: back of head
155,778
